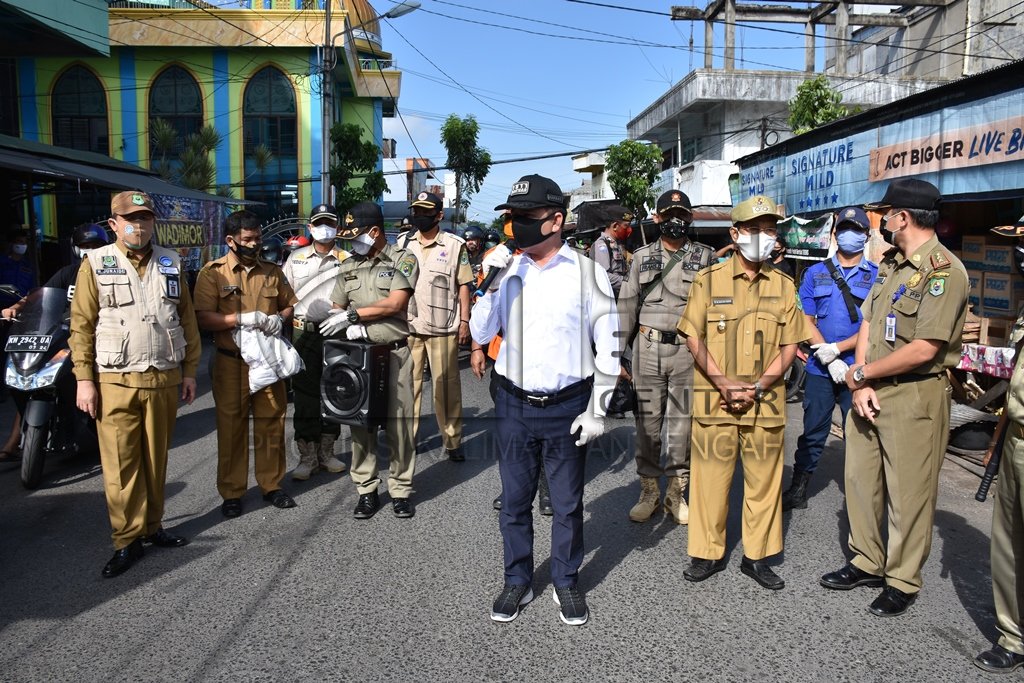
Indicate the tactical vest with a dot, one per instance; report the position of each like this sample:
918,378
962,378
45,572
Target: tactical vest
138,326
434,309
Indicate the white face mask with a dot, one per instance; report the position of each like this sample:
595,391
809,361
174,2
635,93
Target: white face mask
756,249
81,253
323,233
362,244
19,249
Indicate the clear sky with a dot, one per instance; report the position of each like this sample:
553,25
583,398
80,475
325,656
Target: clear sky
548,76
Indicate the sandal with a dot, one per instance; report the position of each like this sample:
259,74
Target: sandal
10,456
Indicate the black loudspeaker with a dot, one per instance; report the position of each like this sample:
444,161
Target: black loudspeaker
354,385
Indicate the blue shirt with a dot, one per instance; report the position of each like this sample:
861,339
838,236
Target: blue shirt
821,298
21,274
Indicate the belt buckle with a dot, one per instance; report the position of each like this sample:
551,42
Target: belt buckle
298,324
668,337
537,401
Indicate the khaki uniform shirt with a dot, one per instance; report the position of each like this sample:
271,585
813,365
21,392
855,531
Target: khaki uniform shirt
85,311
444,267
927,296
226,286
1015,394
743,324
611,256
363,281
664,304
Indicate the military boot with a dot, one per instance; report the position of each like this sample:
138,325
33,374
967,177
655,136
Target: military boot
325,454
796,495
650,500
308,465
675,503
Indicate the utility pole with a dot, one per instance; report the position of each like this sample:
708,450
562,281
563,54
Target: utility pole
326,108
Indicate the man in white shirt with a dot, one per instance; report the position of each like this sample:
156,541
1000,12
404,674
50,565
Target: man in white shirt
557,365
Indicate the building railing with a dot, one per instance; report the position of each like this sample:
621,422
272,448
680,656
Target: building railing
377,65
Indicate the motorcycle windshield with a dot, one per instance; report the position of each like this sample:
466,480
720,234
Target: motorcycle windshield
43,312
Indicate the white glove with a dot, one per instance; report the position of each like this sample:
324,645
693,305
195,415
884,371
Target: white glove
499,258
273,325
335,322
838,369
252,319
317,311
590,427
357,333
826,353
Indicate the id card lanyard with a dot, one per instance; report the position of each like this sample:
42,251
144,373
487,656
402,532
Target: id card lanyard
890,320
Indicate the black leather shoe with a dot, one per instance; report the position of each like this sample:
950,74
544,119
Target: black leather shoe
165,539
850,577
279,499
762,573
231,508
892,602
701,569
402,507
999,660
456,454
123,559
367,506
497,503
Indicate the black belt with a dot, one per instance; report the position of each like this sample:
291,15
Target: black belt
908,377
229,353
659,336
538,400
305,325
395,345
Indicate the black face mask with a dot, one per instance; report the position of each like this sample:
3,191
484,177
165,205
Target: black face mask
674,229
244,253
423,223
528,231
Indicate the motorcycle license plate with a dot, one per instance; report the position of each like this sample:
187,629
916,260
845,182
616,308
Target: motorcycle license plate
28,342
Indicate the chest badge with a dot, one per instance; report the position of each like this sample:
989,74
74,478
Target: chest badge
914,280
165,261
109,261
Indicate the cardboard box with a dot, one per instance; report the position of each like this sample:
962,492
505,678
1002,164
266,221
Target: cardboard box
974,277
998,259
973,252
1001,294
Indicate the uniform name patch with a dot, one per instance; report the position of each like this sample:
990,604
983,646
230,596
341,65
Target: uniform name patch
386,273
111,271
722,301
649,264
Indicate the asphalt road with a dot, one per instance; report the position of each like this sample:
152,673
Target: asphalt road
311,593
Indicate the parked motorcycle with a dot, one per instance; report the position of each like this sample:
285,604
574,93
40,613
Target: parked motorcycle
38,370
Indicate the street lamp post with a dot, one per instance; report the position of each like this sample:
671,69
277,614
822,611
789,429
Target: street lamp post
326,97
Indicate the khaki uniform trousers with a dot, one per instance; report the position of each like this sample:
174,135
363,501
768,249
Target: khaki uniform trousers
442,353
234,405
134,426
714,452
397,429
893,467
663,379
1008,541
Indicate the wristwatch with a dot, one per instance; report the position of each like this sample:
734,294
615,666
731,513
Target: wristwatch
758,392
858,374
353,316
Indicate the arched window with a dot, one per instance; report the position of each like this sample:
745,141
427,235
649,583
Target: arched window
79,108
175,98
269,119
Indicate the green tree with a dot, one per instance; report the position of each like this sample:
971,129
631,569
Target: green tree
816,103
187,162
632,168
354,157
466,159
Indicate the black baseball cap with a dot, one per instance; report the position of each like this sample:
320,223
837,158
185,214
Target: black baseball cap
532,191
673,199
361,218
428,200
324,211
908,193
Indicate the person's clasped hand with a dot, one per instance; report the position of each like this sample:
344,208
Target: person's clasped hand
335,322
357,333
826,353
837,369
590,427
273,325
252,319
